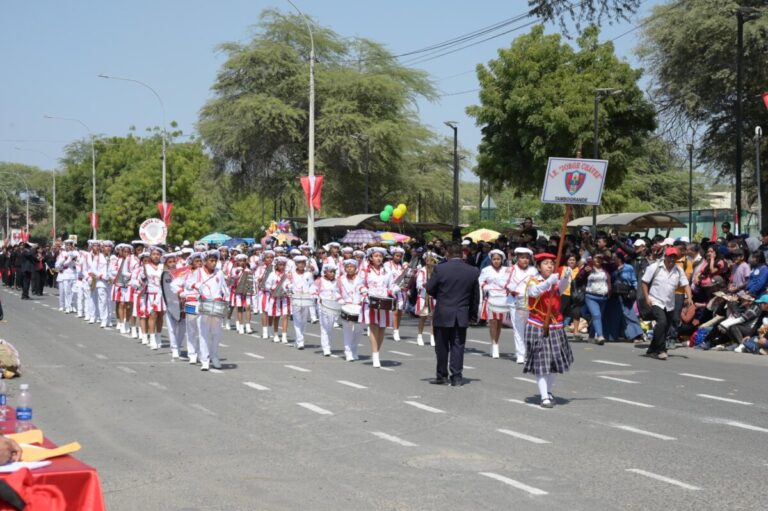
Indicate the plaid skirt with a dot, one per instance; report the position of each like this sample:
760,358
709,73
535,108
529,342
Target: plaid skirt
546,355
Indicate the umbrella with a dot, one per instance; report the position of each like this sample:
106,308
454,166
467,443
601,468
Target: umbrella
482,235
390,238
284,237
216,237
233,242
360,237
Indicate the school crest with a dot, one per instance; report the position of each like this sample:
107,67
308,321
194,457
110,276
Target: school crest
574,181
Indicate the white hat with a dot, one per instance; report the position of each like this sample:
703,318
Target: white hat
304,246
146,253
241,257
185,244
300,259
329,267
108,243
266,253
357,253
334,244
684,239
279,250
350,262
138,242
69,241
280,259
396,250
496,251
155,248
667,242
374,250
524,251
257,246
195,255
212,253
639,242
295,252
169,255
466,243
347,249
187,250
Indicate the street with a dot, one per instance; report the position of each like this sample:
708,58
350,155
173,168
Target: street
282,429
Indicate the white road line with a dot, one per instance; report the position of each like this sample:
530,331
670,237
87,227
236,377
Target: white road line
611,363
157,385
479,342
742,425
255,385
315,408
312,335
126,369
400,353
223,345
45,305
80,345
299,369
523,436
663,479
514,484
334,355
622,380
203,409
521,402
528,380
469,367
215,371
726,399
627,402
639,431
100,356
689,375
393,439
351,384
253,355
424,407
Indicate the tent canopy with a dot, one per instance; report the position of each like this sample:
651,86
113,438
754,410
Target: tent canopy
630,222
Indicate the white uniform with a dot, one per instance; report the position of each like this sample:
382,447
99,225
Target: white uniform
177,329
189,297
97,269
277,306
377,283
210,286
327,291
151,300
518,301
493,286
66,265
397,270
350,295
303,284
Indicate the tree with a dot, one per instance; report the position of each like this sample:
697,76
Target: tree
14,178
257,125
537,101
587,11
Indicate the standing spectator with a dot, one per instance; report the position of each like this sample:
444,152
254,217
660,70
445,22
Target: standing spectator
625,292
659,283
38,274
16,265
597,292
27,267
726,228
570,301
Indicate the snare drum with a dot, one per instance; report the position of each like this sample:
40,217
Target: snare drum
213,308
190,308
383,303
350,312
302,301
498,304
331,306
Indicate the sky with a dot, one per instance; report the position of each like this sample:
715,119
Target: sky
52,51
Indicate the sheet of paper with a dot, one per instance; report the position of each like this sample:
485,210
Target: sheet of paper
36,453
33,436
13,467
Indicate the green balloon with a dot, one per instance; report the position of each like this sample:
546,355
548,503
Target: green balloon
384,216
389,208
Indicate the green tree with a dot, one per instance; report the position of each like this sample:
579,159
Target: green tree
583,11
14,177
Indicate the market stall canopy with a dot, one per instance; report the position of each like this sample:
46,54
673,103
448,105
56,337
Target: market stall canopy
348,222
216,237
630,222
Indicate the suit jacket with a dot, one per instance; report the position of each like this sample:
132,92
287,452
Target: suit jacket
455,288
28,260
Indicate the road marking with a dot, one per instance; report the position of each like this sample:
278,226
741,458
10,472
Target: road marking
215,371
334,355
469,367
514,484
424,407
387,369
253,355
351,384
479,342
639,431
255,385
400,353
529,380
312,335
100,356
726,399
393,439
80,345
523,436
157,385
299,369
521,402
223,345
64,336
610,363
203,409
315,408
689,375
663,479
741,425
126,369
627,402
622,380
45,305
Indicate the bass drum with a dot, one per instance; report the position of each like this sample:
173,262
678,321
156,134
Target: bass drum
498,304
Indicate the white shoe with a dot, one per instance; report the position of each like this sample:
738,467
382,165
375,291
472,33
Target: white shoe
153,342
432,339
248,329
265,333
495,351
105,326
350,357
276,338
420,340
368,332
61,309
739,349
396,335
376,361
238,326
336,324
299,345
215,363
193,359
205,366
240,329
227,326
134,332
91,321
79,315
521,359
145,339
326,352
174,353
285,338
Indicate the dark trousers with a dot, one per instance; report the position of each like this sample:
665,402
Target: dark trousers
449,342
26,280
663,320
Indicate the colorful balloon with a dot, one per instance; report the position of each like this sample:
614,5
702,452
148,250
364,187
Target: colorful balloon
384,216
402,208
389,208
397,214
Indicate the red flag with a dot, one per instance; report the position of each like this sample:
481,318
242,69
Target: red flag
53,232
24,235
94,219
313,190
165,212
765,99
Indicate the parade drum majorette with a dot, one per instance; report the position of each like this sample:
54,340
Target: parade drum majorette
331,306
498,304
350,312
213,308
384,303
302,301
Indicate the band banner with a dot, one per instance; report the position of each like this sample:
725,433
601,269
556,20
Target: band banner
313,190
165,212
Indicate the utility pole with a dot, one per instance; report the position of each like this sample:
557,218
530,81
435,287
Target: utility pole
690,192
455,127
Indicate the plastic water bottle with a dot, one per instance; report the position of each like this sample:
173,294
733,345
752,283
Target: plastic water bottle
24,409
3,402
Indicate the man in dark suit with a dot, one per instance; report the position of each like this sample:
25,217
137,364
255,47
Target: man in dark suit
455,288
28,260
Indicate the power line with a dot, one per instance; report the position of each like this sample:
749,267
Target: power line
458,93
647,21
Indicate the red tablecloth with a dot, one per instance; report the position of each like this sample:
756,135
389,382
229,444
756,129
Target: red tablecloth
77,481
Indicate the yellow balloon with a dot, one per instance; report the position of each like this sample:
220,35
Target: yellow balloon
397,214
403,208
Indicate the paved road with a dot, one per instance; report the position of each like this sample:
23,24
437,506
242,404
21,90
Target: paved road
282,429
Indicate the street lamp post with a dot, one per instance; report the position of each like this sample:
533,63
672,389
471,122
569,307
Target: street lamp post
164,133
455,127
599,92
93,165
53,173
690,192
758,177
311,149
7,215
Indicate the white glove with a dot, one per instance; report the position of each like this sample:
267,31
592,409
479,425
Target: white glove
552,280
568,273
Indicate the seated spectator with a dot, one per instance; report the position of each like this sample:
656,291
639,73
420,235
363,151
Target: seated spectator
758,277
757,343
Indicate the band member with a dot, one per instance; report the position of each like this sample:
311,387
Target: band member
547,347
261,291
241,302
66,265
189,301
397,268
349,285
97,271
122,293
151,301
211,285
91,298
425,304
346,254
132,269
177,328
377,286
493,285
107,248
278,303
522,272
333,254
303,293
362,264
226,263
329,298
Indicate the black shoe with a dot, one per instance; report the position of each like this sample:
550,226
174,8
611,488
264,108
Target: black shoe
457,382
439,381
